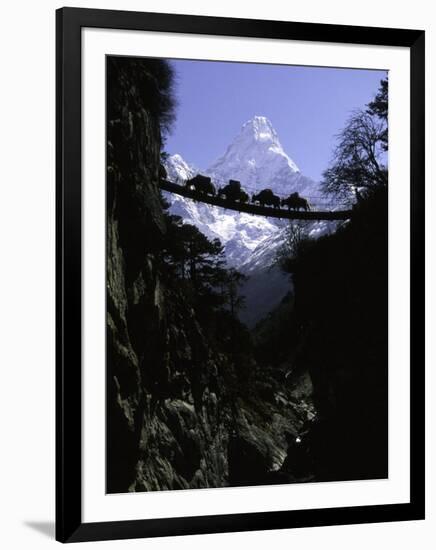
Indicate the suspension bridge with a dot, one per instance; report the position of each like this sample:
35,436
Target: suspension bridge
249,208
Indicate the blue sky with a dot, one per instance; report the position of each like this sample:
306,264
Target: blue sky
306,105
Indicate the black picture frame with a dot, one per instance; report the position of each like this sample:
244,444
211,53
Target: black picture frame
69,525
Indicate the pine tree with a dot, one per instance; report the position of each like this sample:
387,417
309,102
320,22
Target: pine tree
379,107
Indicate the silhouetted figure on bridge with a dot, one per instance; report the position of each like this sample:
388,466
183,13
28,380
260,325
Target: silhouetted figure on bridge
203,190
266,197
201,184
295,202
233,192
243,197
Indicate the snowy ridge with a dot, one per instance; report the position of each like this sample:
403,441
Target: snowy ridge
256,158
178,169
240,233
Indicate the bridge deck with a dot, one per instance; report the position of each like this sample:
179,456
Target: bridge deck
253,208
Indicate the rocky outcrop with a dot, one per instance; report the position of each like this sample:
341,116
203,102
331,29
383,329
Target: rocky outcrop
341,286
174,419
135,227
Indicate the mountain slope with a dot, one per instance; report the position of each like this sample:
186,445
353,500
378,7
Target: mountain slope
240,233
256,158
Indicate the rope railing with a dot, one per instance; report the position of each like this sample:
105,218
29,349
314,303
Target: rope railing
317,200
250,208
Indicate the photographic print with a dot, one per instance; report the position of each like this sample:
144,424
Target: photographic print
247,274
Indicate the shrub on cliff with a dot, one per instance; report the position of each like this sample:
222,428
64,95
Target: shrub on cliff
150,79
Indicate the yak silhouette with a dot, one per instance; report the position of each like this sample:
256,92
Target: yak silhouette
233,192
266,197
201,184
243,197
295,202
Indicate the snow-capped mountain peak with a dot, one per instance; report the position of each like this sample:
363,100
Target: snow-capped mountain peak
240,233
256,158
178,169
261,129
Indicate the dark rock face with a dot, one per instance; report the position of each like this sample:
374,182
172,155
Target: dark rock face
134,229
187,410
342,302
174,420
160,410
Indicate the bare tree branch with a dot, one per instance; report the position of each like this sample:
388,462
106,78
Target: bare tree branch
359,157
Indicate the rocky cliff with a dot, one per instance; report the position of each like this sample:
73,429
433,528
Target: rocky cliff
180,412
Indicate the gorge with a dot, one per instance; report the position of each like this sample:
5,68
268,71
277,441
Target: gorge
194,398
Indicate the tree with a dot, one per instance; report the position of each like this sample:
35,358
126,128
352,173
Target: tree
191,254
230,284
359,159
154,83
201,255
197,265
296,237
379,108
